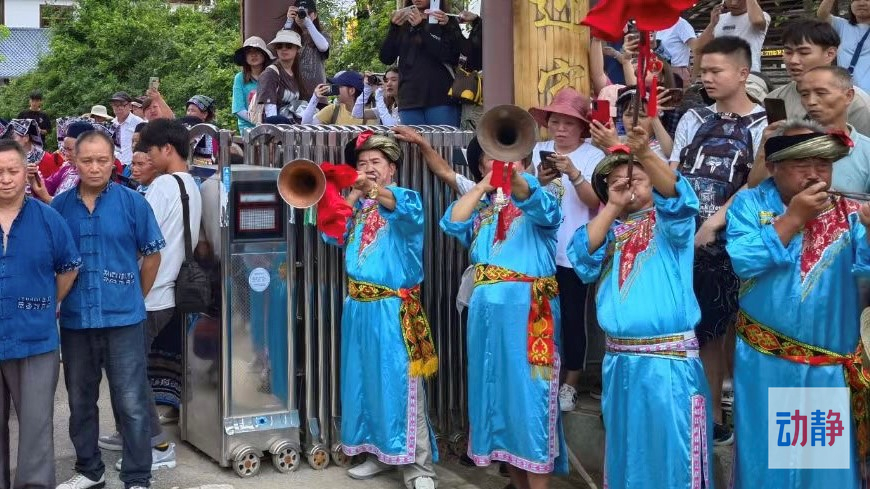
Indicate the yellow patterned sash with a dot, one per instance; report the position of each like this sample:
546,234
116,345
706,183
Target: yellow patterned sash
415,326
540,346
772,342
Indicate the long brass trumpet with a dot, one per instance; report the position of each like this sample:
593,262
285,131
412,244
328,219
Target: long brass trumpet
301,184
507,133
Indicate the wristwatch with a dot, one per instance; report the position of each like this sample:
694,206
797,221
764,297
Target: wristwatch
374,191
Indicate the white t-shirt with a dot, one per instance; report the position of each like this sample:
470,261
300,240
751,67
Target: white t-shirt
574,211
690,123
739,25
463,184
673,42
850,36
165,199
125,137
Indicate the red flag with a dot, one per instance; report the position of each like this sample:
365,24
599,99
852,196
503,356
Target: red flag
332,210
607,19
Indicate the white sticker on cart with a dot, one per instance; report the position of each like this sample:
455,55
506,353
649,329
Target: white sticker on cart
259,279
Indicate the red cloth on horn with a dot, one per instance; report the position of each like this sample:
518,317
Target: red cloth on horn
607,20
332,210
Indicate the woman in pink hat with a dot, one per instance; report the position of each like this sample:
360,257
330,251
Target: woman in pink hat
567,165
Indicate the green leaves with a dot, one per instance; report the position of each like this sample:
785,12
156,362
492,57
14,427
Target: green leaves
113,45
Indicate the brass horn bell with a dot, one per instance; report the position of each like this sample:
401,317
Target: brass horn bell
507,133
301,184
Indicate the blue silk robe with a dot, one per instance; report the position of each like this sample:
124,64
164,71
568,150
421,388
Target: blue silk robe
807,291
656,408
378,397
513,417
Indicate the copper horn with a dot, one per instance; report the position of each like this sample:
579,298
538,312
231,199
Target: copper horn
301,183
507,133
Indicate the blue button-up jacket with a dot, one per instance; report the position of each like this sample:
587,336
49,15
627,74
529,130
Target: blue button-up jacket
38,246
108,292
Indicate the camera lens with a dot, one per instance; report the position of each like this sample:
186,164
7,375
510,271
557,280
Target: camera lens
302,12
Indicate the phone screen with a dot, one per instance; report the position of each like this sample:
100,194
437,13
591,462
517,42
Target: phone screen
775,108
545,161
154,83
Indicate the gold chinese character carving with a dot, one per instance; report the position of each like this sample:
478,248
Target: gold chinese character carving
563,74
547,20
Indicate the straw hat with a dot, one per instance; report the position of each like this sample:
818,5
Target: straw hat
100,111
254,42
286,37
568,102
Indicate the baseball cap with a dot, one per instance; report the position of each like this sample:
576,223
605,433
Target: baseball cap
121,97
348,79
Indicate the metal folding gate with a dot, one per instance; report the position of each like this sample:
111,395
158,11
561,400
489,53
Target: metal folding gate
314,285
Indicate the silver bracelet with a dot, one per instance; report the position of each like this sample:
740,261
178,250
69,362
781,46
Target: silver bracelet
577,181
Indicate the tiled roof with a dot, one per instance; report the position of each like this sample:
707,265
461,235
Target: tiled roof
20,52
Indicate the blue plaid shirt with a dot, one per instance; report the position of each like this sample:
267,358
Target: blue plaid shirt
122,226
39,246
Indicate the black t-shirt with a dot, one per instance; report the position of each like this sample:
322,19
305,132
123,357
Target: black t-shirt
41,118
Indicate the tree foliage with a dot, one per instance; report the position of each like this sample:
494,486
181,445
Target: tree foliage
112,45
364,29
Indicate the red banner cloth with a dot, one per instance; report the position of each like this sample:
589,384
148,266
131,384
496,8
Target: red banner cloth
607,20
332,210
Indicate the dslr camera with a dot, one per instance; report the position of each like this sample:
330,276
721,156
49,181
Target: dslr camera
302,12
374,80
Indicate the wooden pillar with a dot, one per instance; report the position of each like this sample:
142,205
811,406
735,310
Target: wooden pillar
551,49
498,52
263,18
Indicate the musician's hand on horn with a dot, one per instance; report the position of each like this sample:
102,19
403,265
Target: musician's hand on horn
638,142
809,203
362,182
620,193
485,184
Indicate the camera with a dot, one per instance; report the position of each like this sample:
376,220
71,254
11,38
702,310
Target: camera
374,80
302,12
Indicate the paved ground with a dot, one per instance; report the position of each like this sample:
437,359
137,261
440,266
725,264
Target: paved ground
195,469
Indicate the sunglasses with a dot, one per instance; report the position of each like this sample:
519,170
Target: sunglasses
285,45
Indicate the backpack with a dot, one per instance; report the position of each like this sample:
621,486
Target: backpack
717,161
255,108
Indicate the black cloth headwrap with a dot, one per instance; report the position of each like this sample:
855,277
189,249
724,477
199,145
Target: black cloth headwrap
779,143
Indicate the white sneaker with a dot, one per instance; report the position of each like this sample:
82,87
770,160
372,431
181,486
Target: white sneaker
368,469
79,481
424,483
160,459
567,398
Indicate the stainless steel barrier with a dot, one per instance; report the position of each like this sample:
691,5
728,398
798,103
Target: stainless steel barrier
290,401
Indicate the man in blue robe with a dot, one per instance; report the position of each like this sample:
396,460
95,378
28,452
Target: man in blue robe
513,322
639,249
796,248
386,342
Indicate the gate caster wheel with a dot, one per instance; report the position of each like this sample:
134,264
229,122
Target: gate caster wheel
318,458
286,460
340,458
246,463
